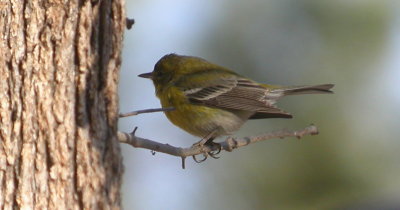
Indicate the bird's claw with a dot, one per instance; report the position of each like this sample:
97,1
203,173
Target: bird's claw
213,153
200,161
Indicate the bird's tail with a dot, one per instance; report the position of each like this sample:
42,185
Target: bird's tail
297,90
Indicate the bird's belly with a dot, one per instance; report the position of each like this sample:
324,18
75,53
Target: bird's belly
201,120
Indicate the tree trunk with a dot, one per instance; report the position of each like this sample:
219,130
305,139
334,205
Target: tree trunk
59,68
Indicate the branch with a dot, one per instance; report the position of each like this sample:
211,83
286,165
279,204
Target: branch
228,145
146,111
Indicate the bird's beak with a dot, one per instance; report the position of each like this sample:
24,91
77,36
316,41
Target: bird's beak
146,75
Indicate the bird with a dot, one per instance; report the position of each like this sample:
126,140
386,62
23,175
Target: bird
210,101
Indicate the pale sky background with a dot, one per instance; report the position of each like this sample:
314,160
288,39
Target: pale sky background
354,160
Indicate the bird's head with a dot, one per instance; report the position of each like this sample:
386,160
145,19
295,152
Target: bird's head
172,67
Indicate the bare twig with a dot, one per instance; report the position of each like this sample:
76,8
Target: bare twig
228,145
146,111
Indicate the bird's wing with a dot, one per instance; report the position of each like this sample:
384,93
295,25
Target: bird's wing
234,93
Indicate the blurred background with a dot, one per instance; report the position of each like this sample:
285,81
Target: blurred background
354,163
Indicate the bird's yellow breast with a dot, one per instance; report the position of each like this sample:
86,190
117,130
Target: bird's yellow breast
198,120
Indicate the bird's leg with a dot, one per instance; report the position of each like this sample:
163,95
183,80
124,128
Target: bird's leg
206,140
209,141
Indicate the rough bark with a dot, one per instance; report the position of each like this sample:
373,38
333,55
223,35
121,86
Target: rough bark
59,67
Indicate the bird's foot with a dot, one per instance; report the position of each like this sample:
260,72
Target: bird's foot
205,155
213,153
208,141
200,145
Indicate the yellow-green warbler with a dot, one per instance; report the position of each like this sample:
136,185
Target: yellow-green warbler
211,101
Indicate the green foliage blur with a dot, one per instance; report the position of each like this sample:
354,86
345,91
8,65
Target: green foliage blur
354,161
